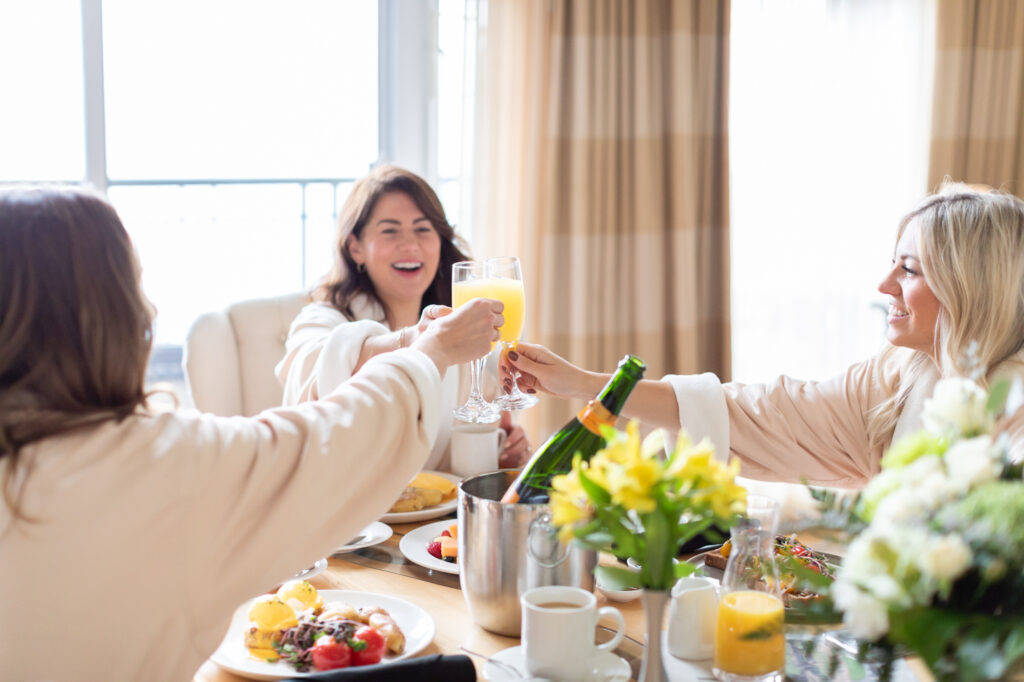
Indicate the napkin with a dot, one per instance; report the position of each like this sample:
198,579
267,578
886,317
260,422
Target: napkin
434,668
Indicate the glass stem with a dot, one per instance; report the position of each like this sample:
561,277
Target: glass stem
514,391
475,392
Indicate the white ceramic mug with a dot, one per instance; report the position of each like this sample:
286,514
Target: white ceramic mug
691,618
558,632
475,448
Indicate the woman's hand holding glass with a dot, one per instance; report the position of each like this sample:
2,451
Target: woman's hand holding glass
506,284
540,369
461,336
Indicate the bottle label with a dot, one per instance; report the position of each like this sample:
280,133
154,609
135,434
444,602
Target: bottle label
594,415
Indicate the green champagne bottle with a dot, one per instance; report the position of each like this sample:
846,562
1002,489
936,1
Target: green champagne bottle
582,435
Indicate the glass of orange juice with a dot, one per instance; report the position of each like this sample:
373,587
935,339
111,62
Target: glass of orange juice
469,281
506,284
750,642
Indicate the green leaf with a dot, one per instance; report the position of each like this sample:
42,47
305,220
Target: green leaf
925,631
688,531
658,554
596,493
682,569
1014,646
979,657
617,578
997,394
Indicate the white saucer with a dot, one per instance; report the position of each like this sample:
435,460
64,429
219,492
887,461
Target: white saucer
607,667
374,534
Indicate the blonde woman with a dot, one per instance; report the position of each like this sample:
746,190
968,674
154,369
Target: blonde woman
142,532
957,277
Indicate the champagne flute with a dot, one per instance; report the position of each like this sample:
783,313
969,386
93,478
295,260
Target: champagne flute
469,282
505,276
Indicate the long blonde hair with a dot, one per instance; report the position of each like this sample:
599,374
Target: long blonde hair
971,243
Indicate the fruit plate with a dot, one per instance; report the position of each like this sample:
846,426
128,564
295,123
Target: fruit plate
413,546
416,624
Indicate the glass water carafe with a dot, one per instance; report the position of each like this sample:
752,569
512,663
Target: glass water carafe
749,640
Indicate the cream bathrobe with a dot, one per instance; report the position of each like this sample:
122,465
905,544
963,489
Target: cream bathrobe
147,534
323,348
791,430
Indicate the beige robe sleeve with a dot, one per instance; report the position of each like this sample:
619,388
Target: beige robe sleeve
321,352
789,430
277,492
154,528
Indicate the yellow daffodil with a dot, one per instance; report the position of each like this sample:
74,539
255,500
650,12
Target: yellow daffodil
569,503
633,482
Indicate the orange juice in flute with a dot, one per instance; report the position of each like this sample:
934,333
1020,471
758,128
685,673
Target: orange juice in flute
469,281
505,277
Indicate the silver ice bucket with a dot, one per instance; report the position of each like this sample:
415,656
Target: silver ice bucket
505,549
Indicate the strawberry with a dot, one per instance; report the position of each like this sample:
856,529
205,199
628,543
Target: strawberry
434,549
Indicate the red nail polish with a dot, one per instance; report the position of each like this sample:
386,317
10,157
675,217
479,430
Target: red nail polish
512,355
530,390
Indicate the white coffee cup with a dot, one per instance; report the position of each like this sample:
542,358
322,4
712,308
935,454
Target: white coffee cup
558,632
475,448
692,617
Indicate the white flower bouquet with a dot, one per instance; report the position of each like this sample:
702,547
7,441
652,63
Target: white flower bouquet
936,561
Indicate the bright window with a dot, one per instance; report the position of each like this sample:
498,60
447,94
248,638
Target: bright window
42,136
230,132
830,102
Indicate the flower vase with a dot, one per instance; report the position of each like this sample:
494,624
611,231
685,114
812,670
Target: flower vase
653,669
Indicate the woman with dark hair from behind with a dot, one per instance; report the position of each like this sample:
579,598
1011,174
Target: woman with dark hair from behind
392,275
127,538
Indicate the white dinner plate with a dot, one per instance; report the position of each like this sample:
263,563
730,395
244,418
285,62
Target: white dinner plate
374,534
430,512
414,547
233,656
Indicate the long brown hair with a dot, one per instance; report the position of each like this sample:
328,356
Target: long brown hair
75,329
345,282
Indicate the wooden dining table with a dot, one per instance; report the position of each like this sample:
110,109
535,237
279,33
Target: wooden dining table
383,569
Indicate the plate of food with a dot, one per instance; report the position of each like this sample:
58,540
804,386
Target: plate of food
433,546
374,534
713,562
431,494
277,636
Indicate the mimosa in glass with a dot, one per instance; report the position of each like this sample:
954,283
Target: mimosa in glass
468,282
505,277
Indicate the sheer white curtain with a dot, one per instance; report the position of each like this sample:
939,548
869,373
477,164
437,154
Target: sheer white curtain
830,104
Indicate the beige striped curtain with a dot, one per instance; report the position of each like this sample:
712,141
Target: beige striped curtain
601,159
978,116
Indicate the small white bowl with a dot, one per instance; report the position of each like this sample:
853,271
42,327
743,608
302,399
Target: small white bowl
620,595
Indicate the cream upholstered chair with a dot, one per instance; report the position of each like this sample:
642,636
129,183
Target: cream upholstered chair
230,355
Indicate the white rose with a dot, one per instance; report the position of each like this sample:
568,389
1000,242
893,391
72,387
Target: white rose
898,508
972,462
957,408
866,616
945,557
